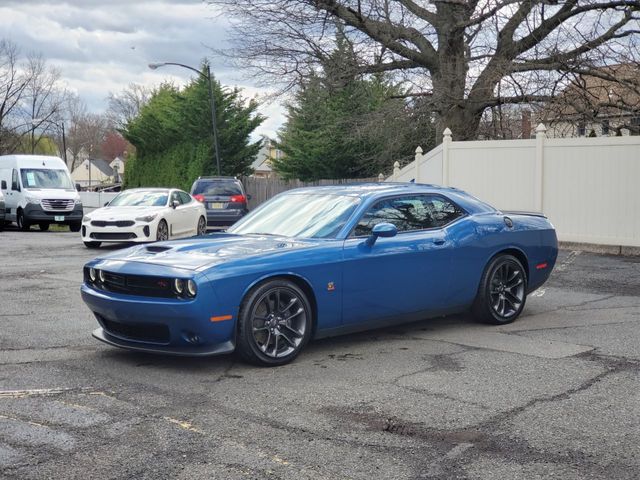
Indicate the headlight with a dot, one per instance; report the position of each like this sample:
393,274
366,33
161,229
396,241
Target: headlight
147,218
78,201
31,199
191,288
92,274
178,286
101,275
86,219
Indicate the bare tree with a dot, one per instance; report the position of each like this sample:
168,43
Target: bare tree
125,106
13,83
463,56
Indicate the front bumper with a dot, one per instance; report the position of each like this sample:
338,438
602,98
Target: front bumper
34,213
159,325
139,232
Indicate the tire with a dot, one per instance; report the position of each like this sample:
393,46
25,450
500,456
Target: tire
270,332
92,244
43,226
162,232
502,292
75,227
23,223
201,228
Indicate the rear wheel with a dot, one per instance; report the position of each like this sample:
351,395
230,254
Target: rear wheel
502,293
92,244
162,233
202,226
43,226
23,223
274,323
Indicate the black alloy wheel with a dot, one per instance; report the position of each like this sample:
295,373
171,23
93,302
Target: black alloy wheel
274,324
202,226
162,233
502,293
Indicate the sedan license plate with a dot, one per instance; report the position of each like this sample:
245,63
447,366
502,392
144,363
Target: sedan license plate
216,205
58,218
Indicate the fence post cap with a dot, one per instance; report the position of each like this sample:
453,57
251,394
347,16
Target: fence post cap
380,177
447,132
541,128
396,164
419,150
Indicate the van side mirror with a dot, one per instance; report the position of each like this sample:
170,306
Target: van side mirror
4,185
381,230
78,187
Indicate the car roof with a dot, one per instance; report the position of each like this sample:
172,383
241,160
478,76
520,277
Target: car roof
370,189
151,189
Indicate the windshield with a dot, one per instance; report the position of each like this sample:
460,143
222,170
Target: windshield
45,178
299,215
140,198
216,187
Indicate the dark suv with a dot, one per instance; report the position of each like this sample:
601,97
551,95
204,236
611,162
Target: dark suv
224,198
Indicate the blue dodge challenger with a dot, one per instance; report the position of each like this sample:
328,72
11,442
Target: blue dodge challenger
316,262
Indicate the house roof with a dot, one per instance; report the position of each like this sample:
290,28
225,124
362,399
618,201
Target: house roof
101,165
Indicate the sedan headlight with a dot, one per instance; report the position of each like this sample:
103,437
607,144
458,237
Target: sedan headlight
93,276
191,288
86,219
78,201
178,286
147,218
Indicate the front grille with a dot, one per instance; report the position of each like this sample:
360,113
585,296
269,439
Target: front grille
144,332
142,285
117,223
113,236
58,205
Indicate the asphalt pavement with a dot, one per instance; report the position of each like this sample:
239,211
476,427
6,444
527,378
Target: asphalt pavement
554,395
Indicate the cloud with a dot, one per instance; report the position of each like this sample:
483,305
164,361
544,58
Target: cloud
101,47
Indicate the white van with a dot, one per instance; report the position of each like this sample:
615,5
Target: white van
38,191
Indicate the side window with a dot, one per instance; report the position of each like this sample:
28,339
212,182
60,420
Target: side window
185,197
410,213
15,185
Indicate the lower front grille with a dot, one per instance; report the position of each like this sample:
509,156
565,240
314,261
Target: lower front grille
113,236
117,223
144,332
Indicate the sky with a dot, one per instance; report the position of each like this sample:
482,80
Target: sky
101,46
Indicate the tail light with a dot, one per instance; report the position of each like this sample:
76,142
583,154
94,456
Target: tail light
238,199
199,198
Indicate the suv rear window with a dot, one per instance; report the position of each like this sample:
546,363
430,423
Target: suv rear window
216,187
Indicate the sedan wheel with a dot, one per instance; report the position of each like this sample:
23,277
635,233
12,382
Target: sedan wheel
202,226
274,323
502,292
162,233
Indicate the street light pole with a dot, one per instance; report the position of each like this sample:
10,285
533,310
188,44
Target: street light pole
207,76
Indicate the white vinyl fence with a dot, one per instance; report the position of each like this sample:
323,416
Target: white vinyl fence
588,187
93,200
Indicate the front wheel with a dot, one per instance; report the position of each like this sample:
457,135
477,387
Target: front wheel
162,233
502,293
274,323
23,223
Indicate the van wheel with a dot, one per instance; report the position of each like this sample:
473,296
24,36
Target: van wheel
75,227
92,244
43,226
23,223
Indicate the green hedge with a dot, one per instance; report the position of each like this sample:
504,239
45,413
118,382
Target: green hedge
177,167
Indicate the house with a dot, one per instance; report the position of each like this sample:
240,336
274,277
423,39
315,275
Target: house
262,164
92,172
606,103
117,165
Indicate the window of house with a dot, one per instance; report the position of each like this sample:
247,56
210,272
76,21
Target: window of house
582,129
635,126
605,127
409,213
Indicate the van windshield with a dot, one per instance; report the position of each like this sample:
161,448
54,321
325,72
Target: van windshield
45,178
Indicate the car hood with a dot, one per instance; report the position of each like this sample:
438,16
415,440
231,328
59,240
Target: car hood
202,252
108,213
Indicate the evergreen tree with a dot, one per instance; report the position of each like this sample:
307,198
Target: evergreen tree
344,125
173,135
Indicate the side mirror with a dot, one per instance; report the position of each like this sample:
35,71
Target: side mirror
175,204
248,196
78,187
4,185
381,230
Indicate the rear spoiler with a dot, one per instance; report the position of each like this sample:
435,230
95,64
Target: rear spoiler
529,214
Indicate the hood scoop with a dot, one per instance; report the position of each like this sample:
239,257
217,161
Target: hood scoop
157,248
